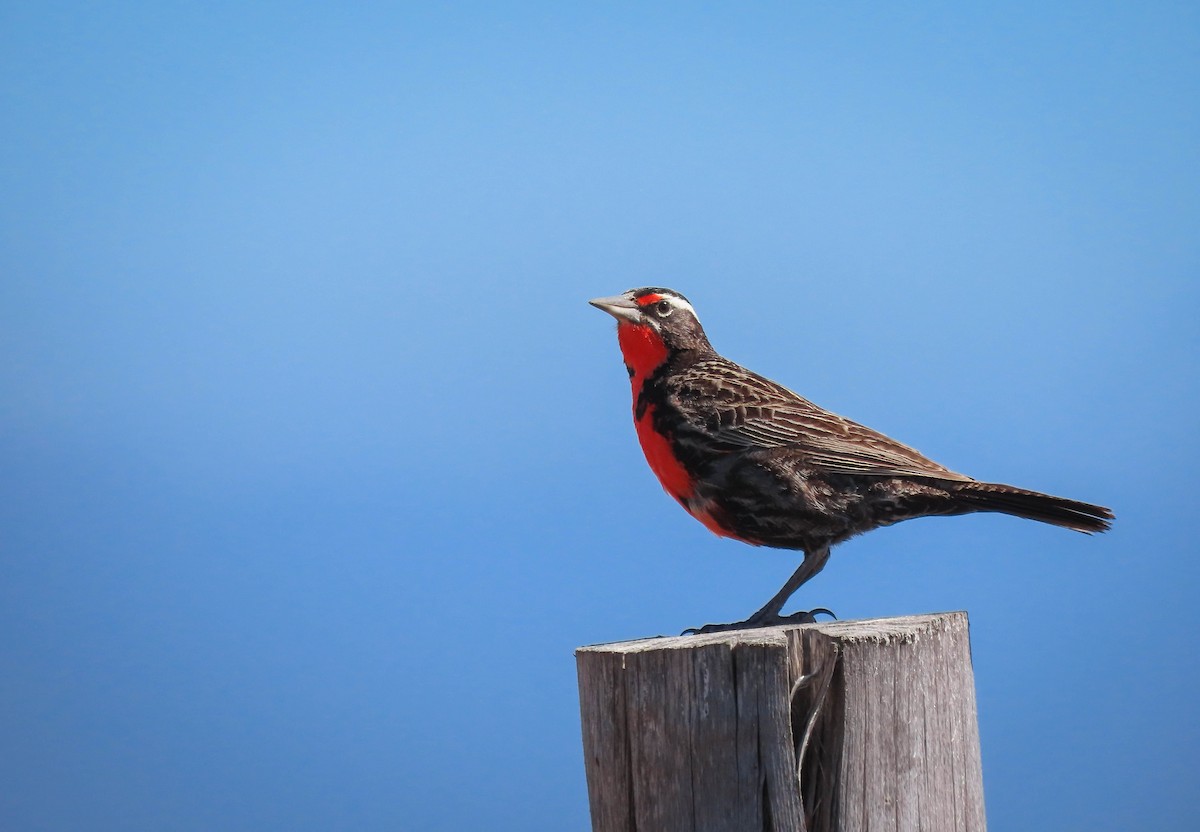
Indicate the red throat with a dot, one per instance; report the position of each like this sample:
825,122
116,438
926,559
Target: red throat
643,350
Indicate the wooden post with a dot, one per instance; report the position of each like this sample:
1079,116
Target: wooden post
703,733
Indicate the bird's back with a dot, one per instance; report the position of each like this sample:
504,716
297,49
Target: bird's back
782,471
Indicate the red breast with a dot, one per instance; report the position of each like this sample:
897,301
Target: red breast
644,351
644,325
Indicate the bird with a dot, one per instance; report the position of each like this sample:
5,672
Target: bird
756,462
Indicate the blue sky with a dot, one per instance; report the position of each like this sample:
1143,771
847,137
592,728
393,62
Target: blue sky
317,465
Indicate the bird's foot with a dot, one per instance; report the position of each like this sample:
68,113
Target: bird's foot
755,621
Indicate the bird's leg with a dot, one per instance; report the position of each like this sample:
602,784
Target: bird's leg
814,561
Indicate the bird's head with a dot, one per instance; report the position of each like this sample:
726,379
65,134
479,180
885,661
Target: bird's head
661,316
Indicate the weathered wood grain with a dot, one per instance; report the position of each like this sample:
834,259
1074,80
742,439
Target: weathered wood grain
704,733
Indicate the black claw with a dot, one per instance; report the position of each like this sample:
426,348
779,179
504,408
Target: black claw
802,617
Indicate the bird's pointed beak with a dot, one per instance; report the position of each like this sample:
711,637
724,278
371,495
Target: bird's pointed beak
620,307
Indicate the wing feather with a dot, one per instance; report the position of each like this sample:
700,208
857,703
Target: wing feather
738,409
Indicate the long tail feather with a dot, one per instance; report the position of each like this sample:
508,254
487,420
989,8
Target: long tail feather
1007,499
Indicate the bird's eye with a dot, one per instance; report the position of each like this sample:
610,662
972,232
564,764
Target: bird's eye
663,308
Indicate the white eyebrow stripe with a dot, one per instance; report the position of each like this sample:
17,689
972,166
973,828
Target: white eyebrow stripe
680,303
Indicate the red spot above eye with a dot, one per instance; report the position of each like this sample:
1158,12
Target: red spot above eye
646,300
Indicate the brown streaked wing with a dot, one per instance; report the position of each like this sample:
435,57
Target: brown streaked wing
740,409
